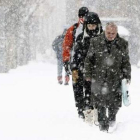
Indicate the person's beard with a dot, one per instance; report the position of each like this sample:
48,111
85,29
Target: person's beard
92,33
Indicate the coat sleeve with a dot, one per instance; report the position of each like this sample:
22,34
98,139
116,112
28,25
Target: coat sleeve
88,64
126,66
55,44
77,54
67,44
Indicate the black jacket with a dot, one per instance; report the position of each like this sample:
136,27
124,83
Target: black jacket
80,51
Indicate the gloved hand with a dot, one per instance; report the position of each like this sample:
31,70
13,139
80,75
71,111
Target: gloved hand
67,67
128,81
75,75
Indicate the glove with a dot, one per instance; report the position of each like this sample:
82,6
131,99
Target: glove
128,81
75,75
67,67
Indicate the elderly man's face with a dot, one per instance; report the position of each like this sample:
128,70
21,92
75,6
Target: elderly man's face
110,33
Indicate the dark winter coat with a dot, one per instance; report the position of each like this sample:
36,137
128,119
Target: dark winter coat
80,52
107,63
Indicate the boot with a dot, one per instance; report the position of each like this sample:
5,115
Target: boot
59,78
104,127
89,116
67,78
112,126
80,113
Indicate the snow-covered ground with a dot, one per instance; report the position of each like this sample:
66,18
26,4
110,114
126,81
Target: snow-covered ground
34,107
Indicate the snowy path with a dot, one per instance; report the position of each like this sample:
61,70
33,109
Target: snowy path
34,107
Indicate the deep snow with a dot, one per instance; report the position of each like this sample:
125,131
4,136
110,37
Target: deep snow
33,106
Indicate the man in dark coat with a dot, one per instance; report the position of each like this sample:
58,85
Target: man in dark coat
106,64
92,28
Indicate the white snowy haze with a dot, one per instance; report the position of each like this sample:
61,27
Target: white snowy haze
33,106
27,30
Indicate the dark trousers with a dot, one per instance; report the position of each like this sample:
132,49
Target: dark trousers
103,118
87,95
82,93
78,92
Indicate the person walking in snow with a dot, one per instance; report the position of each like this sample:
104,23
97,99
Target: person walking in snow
92,28
70,38
106,65
57,47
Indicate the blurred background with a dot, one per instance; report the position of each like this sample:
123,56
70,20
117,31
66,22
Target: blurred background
28,27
